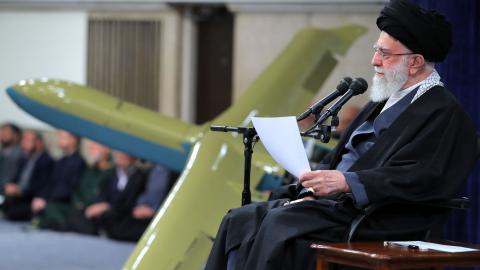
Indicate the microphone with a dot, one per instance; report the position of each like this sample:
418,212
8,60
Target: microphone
358,86
341,89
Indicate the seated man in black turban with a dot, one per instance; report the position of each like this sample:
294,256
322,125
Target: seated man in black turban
412,143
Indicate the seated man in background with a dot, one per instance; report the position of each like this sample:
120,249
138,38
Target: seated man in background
10,153
113,210
413,143
159,183
59,215
32,176
65,175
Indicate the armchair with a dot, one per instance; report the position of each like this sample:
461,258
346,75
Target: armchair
442,208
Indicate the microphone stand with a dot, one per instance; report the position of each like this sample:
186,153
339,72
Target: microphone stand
249,137
317,131
321,131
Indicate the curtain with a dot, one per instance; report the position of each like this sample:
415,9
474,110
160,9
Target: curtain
461,74
124,59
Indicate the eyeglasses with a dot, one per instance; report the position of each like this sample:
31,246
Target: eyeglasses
386,55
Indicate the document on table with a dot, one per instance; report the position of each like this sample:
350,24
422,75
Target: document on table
281,138
421,245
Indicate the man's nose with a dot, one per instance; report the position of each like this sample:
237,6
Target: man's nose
376,59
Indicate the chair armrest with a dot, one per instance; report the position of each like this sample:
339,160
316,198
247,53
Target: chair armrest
365,212
455,203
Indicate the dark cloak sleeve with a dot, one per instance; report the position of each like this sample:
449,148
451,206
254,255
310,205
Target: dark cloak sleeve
425,156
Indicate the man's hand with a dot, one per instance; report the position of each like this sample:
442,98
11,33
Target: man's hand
12,190
96,209
38,204
143,211
324,182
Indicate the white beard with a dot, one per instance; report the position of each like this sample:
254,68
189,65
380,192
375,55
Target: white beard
391,82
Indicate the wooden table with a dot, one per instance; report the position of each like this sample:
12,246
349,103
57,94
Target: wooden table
375,255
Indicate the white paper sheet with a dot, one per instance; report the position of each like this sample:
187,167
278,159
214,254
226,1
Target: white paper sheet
427,245
281,138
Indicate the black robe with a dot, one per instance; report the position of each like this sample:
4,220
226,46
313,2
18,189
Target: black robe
425,155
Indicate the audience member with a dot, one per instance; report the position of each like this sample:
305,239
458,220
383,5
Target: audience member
158,186
31,177
65,176
113,211
159,183
61,215
10,152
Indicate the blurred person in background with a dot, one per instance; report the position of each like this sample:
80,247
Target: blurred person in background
158,185
117,201
10,153
31,177
65,176
63,216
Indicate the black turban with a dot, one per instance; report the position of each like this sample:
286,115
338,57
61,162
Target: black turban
425,32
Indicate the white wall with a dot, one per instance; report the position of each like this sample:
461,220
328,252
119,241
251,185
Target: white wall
39,44
261,36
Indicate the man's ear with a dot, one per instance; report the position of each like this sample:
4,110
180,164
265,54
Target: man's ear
416,63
